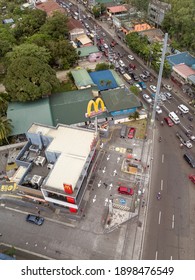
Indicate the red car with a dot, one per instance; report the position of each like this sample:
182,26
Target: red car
132,66
192,178
125,190
169,121
131,133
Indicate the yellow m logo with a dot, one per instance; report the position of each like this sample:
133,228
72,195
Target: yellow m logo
95,107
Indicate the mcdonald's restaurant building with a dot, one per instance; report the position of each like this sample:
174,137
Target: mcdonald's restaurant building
55,164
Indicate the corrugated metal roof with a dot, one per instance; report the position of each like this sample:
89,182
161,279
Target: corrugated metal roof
103,79
117,9
86,51
183,70
24,114
82,78
183,57
119,99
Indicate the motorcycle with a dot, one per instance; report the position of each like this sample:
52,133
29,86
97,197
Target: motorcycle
158,196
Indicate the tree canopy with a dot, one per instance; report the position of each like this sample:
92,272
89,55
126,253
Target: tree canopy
29,78
179,23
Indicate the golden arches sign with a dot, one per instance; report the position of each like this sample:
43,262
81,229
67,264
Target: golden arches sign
93,108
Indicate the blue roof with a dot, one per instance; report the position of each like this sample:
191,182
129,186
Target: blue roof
183,57
102,79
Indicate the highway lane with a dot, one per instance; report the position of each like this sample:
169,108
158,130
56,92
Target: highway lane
170,221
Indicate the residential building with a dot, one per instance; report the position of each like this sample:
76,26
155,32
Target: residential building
75,28
49,7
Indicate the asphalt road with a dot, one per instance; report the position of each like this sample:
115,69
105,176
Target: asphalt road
170,223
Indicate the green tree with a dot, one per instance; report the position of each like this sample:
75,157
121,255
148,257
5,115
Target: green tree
4,98
56,26
5,129
96,11
29,78
135,90
29,24
63,55
102,66
29,50
39,39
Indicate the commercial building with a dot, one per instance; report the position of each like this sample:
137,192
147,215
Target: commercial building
55,164
157,11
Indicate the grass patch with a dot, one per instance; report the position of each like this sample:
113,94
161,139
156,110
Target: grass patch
140,126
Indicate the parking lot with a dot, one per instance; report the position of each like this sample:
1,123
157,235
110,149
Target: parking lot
121,162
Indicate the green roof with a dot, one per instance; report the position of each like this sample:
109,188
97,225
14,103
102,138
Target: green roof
26,113
104,1
86,51
82,78
117,78
119,99
70,107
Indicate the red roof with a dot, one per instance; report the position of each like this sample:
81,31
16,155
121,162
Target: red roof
74,23
117,9
50,7
183,70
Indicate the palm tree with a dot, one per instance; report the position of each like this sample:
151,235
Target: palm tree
135,116
102,82
5,129
108,83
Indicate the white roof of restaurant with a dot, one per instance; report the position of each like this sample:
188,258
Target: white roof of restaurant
74,146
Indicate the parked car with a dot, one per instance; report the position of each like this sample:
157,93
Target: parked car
168,121
132,66
121,63
183,108
131,132
125,190
168,87
134,76
153,88
143,77
121,70
130,57
34,219
146,73
190,159
158,110
142,84
138,86
147,98
162,97
168,95
105,46
192,178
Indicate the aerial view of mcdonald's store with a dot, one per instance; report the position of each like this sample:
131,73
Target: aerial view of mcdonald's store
55,165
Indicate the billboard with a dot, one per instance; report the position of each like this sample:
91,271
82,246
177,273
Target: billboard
95,107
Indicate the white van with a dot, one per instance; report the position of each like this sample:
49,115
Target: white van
183,109
127,78
174,117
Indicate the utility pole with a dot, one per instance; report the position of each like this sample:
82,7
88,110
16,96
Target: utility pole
95,36
159,79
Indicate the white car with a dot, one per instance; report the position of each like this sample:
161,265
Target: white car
183,109
158,110
105,46
168,87
121,63
153,88
138,86
168,95
162,96
130,57
147,98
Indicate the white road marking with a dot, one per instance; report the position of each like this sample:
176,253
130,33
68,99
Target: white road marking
161,185
99,184
94,199
173,221
159,217
163,156
156,256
